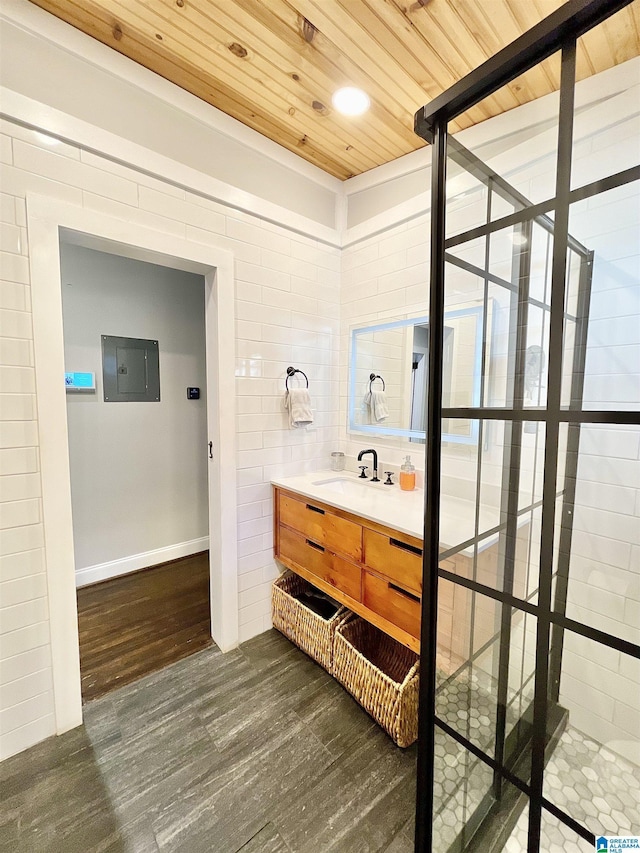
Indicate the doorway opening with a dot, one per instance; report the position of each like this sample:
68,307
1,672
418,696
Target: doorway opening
135,624
51,222
135,341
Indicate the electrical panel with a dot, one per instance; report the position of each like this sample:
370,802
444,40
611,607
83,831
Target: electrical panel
130,370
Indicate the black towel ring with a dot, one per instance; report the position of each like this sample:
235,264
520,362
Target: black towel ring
376,376
290,372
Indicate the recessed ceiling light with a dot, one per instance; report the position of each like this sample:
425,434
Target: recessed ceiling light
351,101
518,238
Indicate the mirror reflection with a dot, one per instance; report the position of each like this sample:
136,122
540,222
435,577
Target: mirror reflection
388,375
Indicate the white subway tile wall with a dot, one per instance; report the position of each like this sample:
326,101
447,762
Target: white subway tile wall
287,289
386,276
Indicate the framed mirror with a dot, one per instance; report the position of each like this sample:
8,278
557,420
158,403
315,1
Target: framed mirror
388,375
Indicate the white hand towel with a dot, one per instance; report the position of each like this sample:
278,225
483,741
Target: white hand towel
367,411
298,402
377,401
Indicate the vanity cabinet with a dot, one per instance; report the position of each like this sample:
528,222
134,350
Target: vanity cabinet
373,570
321,525
331,568
376,571
392,602
395,557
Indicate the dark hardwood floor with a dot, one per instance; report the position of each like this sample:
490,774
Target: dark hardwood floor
139,623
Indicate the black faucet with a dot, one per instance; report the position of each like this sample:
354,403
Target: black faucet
374,479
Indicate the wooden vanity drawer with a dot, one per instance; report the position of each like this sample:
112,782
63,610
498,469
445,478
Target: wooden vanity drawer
390,601
318,560
320,525
394,558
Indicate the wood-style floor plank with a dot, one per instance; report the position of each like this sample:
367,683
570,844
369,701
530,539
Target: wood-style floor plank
258,750
139,623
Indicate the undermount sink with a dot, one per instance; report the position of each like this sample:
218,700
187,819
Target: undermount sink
346,485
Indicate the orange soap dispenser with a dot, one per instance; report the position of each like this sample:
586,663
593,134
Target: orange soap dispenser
407,476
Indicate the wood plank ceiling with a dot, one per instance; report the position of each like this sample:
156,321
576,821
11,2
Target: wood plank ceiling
274,64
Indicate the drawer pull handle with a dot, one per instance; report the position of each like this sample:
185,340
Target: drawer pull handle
404,592
411,548
314,545
315,509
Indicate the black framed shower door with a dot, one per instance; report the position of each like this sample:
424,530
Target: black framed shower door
495,613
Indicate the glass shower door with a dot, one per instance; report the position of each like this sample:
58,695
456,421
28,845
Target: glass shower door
532,739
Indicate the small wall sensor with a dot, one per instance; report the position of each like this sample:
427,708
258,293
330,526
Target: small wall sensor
193,393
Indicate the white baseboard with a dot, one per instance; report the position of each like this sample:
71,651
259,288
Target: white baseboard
114,568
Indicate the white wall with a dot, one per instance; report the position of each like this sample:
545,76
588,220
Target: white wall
601,687
138,470
386,275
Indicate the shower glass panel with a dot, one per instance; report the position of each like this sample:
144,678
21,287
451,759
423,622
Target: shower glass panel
606,129
468,645
531,740
464,783
592,774
610,221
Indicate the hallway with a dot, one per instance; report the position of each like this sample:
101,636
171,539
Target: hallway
136,624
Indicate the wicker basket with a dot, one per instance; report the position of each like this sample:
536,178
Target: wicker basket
307,629
381,674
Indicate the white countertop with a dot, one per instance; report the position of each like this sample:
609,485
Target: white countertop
390,506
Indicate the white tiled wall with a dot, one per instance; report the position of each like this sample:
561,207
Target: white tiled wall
601,687
386,276
383,278
287,308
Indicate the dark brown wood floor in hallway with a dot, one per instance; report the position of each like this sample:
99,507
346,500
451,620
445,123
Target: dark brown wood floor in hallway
139,623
